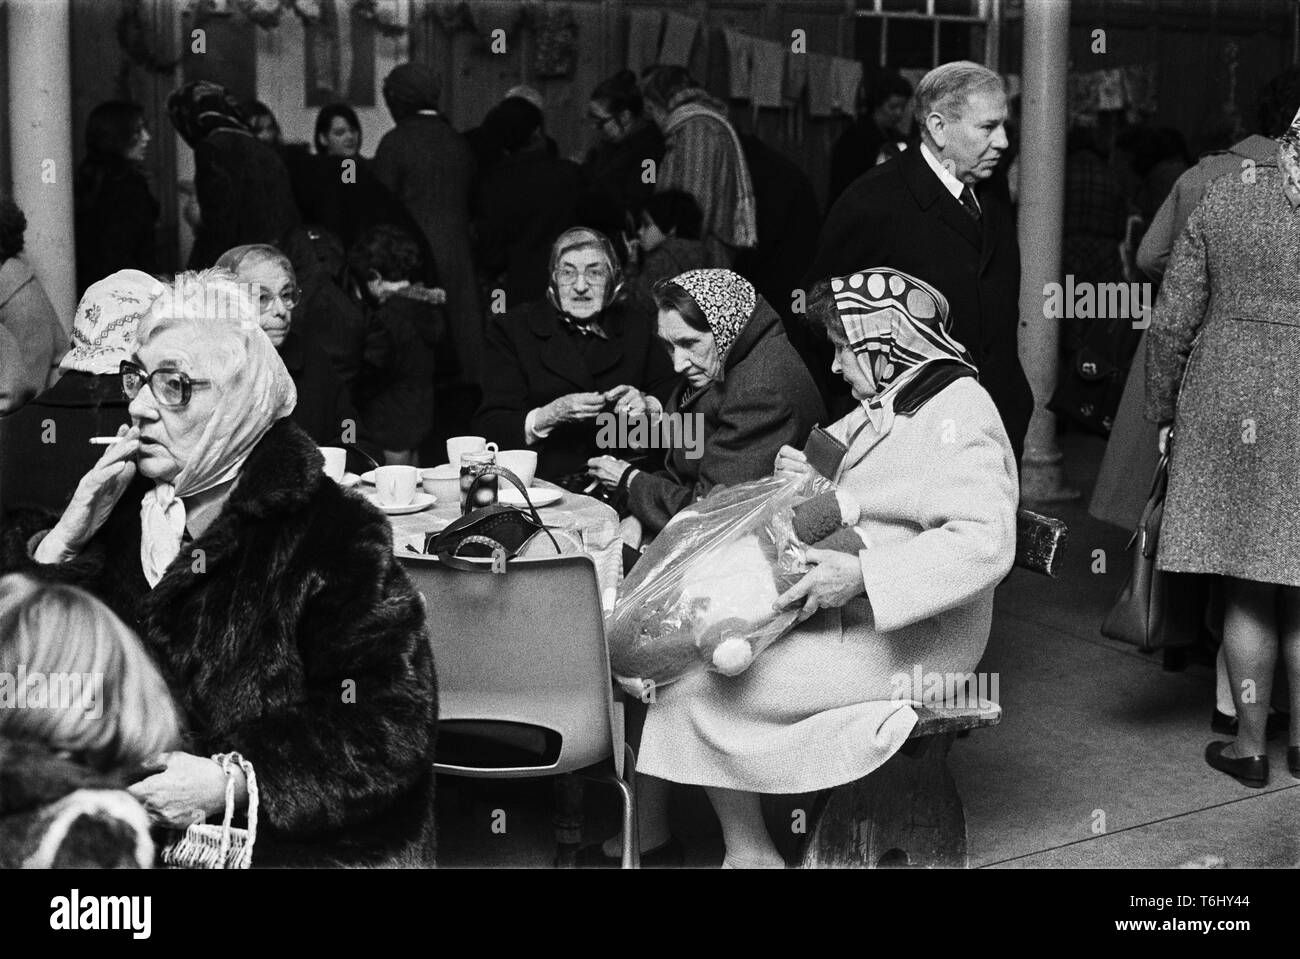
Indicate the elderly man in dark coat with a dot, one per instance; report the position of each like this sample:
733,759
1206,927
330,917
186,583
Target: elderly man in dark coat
921,213
430,168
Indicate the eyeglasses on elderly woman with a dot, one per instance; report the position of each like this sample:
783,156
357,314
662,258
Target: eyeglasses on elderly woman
170,388
289,296
594,275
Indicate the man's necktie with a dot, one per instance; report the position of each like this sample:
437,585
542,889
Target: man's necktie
969,203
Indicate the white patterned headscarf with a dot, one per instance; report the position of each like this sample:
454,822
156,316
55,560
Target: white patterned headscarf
103,332
726,299
1288,158
896,325
255,391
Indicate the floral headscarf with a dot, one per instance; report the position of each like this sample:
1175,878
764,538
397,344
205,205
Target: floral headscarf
202,107
726,299
898,327
103,332
1288,158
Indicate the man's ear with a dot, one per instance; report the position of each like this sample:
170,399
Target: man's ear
938,129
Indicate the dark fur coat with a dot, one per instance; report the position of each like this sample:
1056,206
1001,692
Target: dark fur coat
289,633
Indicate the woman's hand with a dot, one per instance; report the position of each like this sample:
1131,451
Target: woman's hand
572,408
1162,438
607,469
792,463
188,790
95,497
627,400
834,579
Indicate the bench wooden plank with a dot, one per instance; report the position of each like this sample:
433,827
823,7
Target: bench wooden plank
937,720
1040,542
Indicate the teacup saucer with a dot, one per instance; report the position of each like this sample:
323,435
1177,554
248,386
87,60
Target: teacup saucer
421,501
349,480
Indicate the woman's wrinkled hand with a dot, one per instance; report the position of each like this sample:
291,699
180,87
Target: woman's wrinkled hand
627,400
93,500
834,579
190,789
792,463
571,408
607,469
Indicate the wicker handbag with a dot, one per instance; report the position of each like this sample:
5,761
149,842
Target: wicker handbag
204,846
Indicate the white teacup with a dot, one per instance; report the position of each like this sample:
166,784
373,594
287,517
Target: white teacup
523,463
458,445
395,485
336,459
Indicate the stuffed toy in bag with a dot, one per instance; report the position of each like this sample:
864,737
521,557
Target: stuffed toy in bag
749,587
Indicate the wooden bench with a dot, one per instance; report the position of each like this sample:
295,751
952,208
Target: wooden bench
908,812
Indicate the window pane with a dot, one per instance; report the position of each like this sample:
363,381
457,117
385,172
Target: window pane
910,44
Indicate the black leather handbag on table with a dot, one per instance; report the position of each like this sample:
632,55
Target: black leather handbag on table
482,532
1156,609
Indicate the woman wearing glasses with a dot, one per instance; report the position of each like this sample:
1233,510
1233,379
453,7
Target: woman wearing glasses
268,596
554,366
615,167
325,410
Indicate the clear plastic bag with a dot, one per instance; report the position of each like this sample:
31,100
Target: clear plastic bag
701,596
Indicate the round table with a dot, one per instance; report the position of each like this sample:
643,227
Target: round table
580,524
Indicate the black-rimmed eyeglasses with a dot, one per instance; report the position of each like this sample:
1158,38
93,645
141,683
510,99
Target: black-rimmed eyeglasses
170,388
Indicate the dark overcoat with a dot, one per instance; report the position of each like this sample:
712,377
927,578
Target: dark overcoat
899,214
289,633
532,360
430,168
244,195
766,400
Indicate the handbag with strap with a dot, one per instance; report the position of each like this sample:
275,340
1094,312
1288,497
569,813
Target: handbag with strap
482,532
1156,609
204,846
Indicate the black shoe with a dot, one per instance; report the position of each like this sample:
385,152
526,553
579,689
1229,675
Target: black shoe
1226,725
1293,760
670,855
1250,771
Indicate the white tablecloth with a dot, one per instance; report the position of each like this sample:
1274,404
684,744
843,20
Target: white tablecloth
585,525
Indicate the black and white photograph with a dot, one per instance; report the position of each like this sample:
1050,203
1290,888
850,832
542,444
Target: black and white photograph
517,438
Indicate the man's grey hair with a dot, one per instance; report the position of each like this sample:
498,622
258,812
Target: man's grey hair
946,88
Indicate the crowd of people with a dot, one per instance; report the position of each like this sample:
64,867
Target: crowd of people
478,283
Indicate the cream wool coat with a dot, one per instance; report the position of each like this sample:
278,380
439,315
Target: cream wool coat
938,494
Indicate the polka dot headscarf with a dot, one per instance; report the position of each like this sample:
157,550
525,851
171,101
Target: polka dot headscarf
894,322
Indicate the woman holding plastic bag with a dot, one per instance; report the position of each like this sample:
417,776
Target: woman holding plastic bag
932,471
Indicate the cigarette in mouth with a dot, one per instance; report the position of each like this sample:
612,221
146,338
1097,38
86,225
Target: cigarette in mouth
104,440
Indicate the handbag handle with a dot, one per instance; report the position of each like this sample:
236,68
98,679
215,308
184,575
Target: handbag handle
495,470
448,556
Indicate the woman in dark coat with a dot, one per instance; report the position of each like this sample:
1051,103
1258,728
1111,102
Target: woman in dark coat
744,383
615,168
1222,354
86,401
555,365
115,209
242,185
285,626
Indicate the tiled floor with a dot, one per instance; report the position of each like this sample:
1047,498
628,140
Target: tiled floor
1097,761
